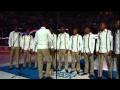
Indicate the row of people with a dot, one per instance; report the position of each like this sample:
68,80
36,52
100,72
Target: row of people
56,48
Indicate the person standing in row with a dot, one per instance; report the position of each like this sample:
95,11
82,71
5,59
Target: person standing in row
14,44
27,48
63,47
76,47
104,48
53,50
42,38
88,50
34,49
117,46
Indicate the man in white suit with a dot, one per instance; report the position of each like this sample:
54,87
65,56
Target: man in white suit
104,48
63,47
42,39
76,48
117,46
88,50
14,44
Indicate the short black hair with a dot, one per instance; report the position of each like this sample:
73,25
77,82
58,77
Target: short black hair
103,21
88,26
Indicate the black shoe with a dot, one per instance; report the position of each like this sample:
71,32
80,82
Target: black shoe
71,71
58,70
48,78
99,77
109,78
66,71
91,76
78,72
84,73
11,68
18,68
54,69
43,77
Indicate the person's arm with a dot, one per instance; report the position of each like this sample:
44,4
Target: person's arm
55,42
70,44
50,37
97,44
31,42
67,41
10,39
36,39
81,44
58,42
21,42
92,46
111,41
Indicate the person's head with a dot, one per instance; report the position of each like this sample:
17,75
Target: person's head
117,24
87,29
103,25
16,29
44,24
62,29
75,31
28,31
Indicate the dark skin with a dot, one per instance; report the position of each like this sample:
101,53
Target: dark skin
62,30
27,31
16,30
102,27
75,31
117,25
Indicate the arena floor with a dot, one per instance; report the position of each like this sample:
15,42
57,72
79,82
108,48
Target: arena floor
29,73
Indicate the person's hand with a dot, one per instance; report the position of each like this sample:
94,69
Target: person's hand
31,51
9,48
89,54
66,51
97,53
82,54
109,53
21,51
79,52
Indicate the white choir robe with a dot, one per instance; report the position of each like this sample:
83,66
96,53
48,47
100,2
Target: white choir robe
14,39
117,42
63,41
104,41
27,41
89,43
76,43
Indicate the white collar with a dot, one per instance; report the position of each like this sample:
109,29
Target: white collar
105,30
43,27
88,33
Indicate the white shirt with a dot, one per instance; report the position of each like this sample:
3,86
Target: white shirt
117,42
54,41
27,42
76,43
42,38
104,41
14,39
34,47
63,41
89,43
